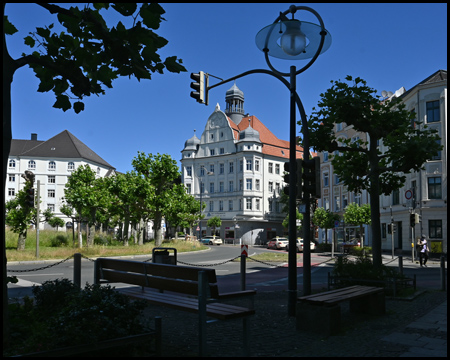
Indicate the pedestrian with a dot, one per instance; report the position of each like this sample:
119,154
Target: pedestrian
423,254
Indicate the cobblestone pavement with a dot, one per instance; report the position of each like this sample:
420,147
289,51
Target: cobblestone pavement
410,328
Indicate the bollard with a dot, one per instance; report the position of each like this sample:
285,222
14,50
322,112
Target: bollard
243,259
77,269
442,273
400,264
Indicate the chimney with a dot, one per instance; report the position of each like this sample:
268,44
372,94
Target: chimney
33,136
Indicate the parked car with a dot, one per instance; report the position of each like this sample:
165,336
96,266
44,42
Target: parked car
277,243
300,246
211,240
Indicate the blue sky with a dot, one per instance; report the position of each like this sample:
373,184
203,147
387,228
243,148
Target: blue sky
388,45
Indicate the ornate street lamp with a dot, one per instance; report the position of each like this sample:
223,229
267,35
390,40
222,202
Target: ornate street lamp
295,40
292,40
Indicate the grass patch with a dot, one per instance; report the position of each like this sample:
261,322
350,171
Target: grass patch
272,257
59,245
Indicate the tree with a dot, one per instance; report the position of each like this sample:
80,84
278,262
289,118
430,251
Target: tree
324,219
160,172
360,165
82,59
299,216
214,222
358,215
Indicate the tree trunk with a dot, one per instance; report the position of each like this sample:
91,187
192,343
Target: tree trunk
157,228
374,195
126,225
21,240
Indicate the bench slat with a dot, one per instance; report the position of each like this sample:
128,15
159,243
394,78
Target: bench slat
215,310
339,295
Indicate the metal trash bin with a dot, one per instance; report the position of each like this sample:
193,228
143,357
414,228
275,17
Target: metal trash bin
162,256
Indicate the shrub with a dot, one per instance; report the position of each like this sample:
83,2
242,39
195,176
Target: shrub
64,315
59,240
323,247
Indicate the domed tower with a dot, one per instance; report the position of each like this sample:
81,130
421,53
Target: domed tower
234,99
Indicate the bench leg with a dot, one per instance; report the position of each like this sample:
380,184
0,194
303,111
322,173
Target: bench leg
158,336
374,304
202,283
324,320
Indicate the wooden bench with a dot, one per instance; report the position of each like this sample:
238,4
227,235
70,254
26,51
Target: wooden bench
179,287
321,313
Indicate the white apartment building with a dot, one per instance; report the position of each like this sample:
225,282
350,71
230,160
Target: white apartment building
424,192
236,168
52,162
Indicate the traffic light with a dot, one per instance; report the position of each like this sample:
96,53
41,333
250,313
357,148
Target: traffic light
311,177
200,85
412,219
286,178
29,198
417,218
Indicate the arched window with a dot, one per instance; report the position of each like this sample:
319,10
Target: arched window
31,164
51,165
12,163
71,166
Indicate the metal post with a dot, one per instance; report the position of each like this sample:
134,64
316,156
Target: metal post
400,264
292,231
202,312
37,201
442,273
77,269
243,263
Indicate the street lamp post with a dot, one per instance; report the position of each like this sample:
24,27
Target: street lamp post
292,40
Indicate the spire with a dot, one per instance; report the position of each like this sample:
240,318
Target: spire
234,99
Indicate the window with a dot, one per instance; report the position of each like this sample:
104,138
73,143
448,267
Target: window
71,166
222,150
326,179
241,165
212,152
325,156
51,193
277,169
435,227
230,205
51,165
434,188
358,199
344,201
220,205
11,192
188,188
51,207
438,155
336,179
221,168
230,186
211,187
202,170
249,165
277,188
211,206
202,188
270,167
396,197
270,186
337,203
240,184
31,164
189,170
51,179
12,163
12,178
257,182
433,112
258,204
248,203
256,165
211,168
249,183
231,167
270,205
326,203
221,186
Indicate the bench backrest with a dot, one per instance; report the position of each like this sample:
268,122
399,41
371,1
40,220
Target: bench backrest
175,278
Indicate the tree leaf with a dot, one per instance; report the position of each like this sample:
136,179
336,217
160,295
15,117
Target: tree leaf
78,107
29,41
62,102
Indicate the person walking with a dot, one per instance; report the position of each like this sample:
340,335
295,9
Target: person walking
423,254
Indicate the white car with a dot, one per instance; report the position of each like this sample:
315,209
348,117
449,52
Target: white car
277,243
300,246
211,240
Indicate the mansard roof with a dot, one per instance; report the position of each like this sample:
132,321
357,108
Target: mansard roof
62,145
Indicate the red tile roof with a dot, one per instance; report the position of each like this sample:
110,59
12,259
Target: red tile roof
271,145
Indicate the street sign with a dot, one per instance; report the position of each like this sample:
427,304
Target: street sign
408,194
336,223
198,228
244,250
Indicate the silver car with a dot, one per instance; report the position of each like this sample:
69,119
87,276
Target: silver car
211,240
300,246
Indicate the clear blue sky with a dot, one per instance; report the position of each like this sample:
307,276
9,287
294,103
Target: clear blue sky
389,45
